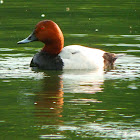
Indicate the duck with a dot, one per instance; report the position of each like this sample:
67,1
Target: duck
54,56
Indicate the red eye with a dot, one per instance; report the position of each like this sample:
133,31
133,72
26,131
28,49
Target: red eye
42,28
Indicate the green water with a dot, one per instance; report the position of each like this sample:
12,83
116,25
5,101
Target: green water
71,105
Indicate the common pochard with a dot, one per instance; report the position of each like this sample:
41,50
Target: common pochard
54,56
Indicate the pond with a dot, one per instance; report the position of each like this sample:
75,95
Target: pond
70,104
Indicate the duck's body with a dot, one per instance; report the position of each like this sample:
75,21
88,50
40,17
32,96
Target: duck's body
71,57
80,57
54,57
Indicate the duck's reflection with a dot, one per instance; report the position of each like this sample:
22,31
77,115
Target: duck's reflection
83,81
49,101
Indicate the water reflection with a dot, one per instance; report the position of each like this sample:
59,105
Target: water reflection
49,101
83,81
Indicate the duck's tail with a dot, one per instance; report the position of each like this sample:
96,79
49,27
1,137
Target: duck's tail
109,59
119,55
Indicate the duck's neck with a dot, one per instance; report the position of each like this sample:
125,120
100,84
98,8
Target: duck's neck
54,47
54,50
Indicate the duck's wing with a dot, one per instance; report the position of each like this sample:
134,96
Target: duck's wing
80,57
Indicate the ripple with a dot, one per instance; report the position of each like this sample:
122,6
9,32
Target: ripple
122,44
84,101
6,49
111,130
17,67
135,37
52,136
128,51
78,35
62,128
127,67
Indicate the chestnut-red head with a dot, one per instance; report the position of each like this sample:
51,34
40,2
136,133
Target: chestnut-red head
50,34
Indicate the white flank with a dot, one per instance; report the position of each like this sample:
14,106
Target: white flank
80,57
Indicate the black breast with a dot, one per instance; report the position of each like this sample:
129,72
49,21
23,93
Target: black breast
45,61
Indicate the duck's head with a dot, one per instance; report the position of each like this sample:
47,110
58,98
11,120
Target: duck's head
50,34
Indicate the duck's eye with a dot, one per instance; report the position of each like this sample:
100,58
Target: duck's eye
42,28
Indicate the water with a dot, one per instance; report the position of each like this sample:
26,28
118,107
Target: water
70,104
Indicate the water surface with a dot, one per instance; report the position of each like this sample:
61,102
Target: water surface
70,104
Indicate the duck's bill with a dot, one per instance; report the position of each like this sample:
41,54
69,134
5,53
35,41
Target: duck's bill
30,38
